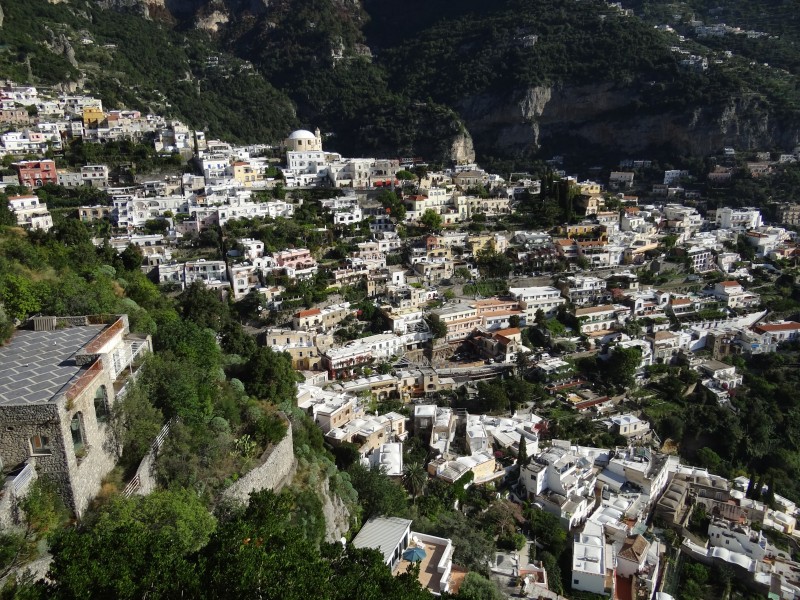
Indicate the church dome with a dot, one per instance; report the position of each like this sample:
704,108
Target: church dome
302,134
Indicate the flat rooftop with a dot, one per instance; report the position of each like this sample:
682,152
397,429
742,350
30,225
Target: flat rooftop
36,365
429,575
383,534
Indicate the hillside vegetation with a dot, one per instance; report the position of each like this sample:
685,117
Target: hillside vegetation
524,78
149,67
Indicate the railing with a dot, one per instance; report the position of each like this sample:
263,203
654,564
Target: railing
133,485
136,483
124,356
22,479
162,435
84,380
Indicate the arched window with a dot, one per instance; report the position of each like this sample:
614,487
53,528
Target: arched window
101,404
78,440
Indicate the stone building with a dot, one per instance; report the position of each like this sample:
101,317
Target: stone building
58,382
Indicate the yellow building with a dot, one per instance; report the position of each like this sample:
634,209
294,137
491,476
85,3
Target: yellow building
93,117
245,174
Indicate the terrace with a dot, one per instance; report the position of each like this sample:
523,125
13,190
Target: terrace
434,568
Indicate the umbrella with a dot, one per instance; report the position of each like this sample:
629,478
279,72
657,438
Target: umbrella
414,554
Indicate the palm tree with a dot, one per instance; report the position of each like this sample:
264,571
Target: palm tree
415,479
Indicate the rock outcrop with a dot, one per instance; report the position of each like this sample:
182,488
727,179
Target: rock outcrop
337,517
605,116
462,150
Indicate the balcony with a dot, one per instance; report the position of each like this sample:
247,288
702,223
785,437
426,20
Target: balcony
126,354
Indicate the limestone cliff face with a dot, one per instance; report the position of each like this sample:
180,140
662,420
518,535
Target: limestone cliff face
213,21
337,517
604,116
204,14
462,150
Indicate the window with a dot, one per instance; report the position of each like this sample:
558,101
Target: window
76,428
101,404
40,445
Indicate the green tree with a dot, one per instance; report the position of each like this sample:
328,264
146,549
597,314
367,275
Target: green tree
7,217
621,366
131,257
492,397
431,220
133,548
437,327
415,478
492,263
256,543
522,453
473,547
709,459
393,204
478,587
547,530
135,423
377,494
18,296
203,306
268,375
178,388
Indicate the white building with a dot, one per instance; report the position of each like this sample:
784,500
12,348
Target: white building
392,536
737,538
582,290
683,221
592,562
30,212
356,352
562,482
328,409
388,458
638,469
532,299
738,219
629,426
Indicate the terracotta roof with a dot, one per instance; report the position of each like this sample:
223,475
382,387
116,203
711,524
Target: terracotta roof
730,283
788,326
634,549
663,335
508,331
308,313
593,309
680,301
494,302
501,313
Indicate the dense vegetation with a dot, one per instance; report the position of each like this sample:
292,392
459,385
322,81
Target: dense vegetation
227,400
381,83
150,67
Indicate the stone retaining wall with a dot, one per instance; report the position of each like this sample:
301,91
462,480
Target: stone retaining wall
275,471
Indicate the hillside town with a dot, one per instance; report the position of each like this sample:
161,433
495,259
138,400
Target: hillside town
409,301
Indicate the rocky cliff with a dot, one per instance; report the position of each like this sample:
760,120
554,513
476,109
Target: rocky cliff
337,516
313,51
610,117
